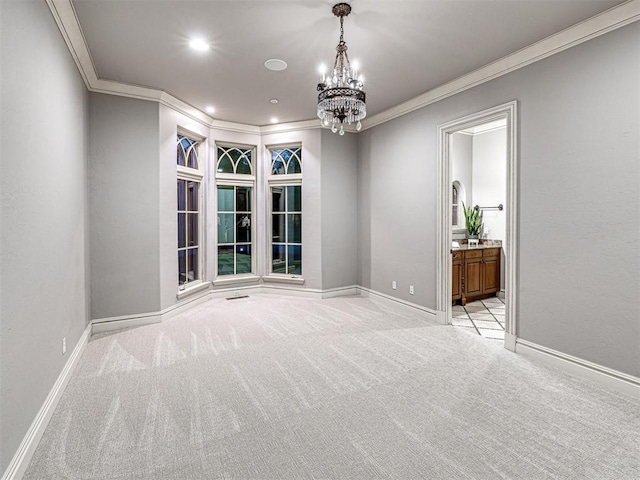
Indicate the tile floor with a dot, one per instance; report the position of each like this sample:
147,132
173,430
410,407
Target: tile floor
484,317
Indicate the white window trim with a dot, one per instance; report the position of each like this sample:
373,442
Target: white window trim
236,180
282,180
193,287
196,175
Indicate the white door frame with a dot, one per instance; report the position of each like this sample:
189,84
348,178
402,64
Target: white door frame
509,112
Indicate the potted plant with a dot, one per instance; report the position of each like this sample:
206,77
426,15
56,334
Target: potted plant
473,221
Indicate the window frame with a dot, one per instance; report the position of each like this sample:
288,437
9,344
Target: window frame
235,180
283,180
189,174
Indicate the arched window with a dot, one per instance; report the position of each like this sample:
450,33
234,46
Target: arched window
189,211
455,196
285,188
235,204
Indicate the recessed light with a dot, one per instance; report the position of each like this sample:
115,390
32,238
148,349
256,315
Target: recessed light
274,100
275,64
210,109
274,119
199,44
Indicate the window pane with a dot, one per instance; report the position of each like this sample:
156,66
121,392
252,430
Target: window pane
225,227
243,259
192,264
278,261
294,199
235,154
180,155
278,228
192,231
455,195
454,215
294,166
243,228
192,161
243,199
278,167
225,199
192,196
244,167
182,194
295,259
182,267
225,260
294,228
277,199
225,166
182,230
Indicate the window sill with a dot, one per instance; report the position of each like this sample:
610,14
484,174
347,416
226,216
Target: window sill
291,279
190,290
236,280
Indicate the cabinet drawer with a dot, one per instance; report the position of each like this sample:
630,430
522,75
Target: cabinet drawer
473,254
456,255
491,252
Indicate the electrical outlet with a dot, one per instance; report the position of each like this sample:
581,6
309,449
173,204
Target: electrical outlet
64,345
411,289
236,293
393,285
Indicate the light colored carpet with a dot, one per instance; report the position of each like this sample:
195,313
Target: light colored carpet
272,387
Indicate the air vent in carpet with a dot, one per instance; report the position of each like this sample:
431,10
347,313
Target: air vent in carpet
235,298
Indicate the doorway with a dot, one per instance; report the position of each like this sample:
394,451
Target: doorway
504,116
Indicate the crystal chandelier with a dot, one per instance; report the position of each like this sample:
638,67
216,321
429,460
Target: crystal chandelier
341,98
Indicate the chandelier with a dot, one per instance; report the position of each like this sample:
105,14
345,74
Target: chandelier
341,98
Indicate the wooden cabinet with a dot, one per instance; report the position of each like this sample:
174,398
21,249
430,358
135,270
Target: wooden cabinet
456,272
475,274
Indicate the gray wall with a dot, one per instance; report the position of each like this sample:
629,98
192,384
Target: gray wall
396,207
43,220
462,164
579,198
124,184
339,210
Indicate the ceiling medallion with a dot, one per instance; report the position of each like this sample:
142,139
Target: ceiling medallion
341,97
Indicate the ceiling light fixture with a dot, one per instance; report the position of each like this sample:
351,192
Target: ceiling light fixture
274,100
199,44
274,119
275,65
341,97
210,109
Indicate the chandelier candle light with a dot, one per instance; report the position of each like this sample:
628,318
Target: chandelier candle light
341,97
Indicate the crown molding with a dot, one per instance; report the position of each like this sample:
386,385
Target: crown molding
595,26
69,26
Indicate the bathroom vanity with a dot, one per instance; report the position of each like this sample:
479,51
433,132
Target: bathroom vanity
475,271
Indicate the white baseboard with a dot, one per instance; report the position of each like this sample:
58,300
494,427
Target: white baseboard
441,317
340,292
20,461
429,315
510,341
607,377
236,291
101,325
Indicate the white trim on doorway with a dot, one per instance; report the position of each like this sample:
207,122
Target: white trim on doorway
508,112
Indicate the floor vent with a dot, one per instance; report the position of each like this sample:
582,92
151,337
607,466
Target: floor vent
235,298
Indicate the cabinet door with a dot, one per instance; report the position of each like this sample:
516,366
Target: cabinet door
456,274
473,276
491,270
491,275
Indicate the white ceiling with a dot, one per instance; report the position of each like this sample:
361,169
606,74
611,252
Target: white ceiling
404,47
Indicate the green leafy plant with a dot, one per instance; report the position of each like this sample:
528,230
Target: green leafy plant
473,220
